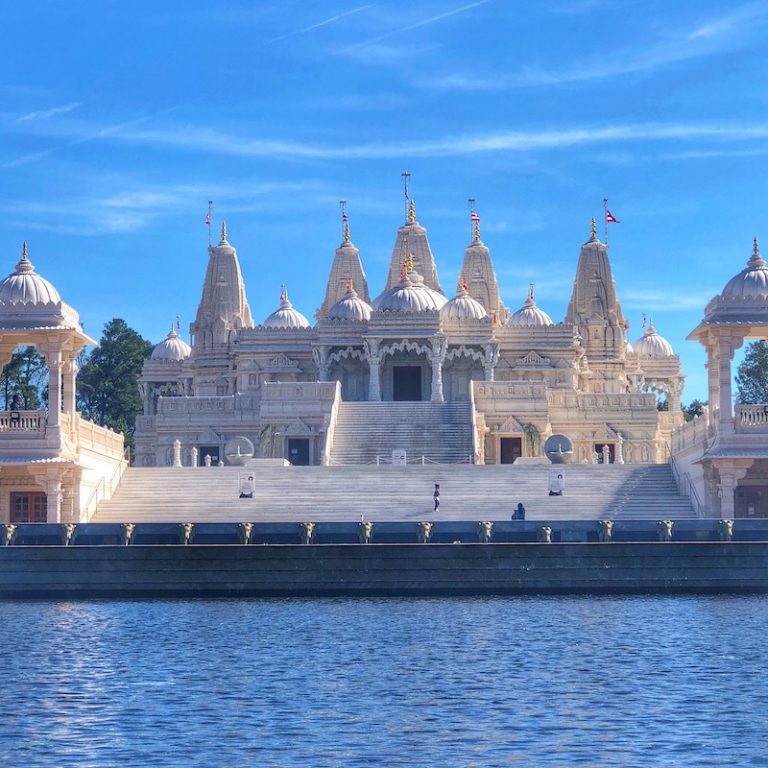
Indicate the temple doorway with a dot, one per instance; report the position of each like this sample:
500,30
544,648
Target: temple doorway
600,451
406,382
29,507
298,451
511,449
751,501
208,450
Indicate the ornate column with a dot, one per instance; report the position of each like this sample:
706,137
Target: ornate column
54,388
177,453
373,357
713,376
320,356
726,348
70,375
491,358
53,500
439,349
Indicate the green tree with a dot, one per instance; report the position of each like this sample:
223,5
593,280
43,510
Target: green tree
694,409
752,374
24,380
108,391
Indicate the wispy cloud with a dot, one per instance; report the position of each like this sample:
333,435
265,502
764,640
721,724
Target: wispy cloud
655,300
323,23
45,114
728,32
410,27
136,206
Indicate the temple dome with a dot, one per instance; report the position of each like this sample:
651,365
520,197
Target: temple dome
286,316
350,307
653,345
750,283
529,315
463,307
411,295
172,349
24,286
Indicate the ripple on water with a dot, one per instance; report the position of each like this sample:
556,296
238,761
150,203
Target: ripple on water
592,681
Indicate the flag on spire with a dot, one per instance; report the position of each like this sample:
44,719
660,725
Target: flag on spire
474,216
610,218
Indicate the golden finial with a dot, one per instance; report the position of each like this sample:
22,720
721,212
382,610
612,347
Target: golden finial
477,230
346,231
24,250
593,231
530,292
223,231
412,212
756,249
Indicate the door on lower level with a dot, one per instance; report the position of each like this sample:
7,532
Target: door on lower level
599,448
751,501
298,451
29,508
511,449
208,450
406,382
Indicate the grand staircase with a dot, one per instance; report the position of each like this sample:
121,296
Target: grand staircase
440,432
394,493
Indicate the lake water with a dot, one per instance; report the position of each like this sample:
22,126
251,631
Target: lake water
589,681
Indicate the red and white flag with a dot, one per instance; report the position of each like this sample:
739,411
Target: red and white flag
610,218
474,216
344,217
208,219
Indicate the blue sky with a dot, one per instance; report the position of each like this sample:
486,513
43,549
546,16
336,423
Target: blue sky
120,120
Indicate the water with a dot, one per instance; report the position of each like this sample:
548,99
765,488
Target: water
589,681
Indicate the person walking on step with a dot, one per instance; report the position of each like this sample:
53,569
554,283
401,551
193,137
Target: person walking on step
436,497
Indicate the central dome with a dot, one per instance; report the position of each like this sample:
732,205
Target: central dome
172,349
350,307
286,317
529,315
411,295
653,345
463,307
24,286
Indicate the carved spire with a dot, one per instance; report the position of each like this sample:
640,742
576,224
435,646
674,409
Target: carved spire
756,261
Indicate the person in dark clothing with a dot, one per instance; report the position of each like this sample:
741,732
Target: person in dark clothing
436,497
519,512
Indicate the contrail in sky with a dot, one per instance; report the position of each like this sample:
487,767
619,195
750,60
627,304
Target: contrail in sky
322,23
415,25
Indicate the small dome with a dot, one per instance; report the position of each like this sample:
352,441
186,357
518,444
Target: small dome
630,348
411,295
350,307
529,315
751,282
653,345
462,306
25,286
172,349
286,316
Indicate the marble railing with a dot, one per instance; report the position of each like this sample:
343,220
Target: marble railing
691,433
23,421
751,418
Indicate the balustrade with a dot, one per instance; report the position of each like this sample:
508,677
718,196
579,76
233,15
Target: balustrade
22,421
751,417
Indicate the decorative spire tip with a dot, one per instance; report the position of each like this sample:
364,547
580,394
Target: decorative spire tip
412,212
24,250
223,231
593,230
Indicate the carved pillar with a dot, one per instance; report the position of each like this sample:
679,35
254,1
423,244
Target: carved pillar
54,388
53,499
730,474
713,377
439,349
70,375
726,350
177,453
320,356
373,356
491,358
619,459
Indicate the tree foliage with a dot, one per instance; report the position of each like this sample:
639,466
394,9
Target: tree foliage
24,381
694,409
108,391
752,374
